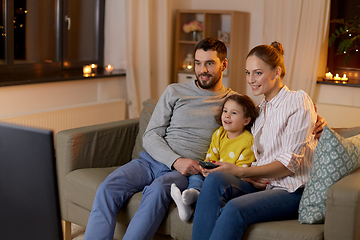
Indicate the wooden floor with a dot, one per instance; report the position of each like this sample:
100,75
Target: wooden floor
77,233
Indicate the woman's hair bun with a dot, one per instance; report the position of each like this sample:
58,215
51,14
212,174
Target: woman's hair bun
278,46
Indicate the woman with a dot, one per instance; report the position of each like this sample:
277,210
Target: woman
233,198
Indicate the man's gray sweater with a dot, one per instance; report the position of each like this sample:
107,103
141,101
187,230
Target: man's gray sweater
183,122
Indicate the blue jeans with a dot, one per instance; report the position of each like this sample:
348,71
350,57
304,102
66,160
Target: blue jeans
144,174
196,181
227,206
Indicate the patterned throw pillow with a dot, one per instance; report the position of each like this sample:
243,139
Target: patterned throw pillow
334,158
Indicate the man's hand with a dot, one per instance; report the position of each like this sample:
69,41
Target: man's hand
187,166
319,125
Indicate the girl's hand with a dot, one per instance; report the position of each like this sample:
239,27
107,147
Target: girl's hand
204,172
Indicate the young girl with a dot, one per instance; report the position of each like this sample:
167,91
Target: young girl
230,143
233,198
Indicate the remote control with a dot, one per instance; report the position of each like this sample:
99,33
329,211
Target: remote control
208,165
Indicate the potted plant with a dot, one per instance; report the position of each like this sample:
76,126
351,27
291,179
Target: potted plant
348,32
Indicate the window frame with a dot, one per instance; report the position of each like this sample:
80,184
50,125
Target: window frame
336,62
14,74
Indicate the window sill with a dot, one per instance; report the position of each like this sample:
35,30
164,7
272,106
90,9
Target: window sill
349,83
65,75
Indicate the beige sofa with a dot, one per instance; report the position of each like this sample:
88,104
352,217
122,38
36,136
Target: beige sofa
85,156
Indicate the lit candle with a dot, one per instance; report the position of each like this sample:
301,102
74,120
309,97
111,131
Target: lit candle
328,76
109,68
344,78
337,77
87,70
93,67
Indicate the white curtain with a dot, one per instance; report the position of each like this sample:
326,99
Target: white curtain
148,41
301,26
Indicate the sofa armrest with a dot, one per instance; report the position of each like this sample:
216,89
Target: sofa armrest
342,219
96,146
347,132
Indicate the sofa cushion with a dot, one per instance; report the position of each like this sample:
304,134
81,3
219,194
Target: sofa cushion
129,209
148,108
81,184
334,158
284,230
279,230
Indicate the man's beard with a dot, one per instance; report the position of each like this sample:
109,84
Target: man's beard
210,83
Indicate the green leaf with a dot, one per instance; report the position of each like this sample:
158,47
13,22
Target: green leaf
350,32
348,57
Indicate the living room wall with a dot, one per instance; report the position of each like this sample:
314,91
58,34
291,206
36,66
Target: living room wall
339,105
21,101
115,48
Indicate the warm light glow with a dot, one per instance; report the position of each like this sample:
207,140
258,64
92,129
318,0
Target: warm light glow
87,69
188,64
93,68
109,68
344,78
337,77
328,76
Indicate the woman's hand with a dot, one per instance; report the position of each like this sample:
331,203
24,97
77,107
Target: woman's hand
257,182
223,167
272,170
319,125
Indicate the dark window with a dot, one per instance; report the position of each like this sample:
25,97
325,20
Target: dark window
347,10
39,37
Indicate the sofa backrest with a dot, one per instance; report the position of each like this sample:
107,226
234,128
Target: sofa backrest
146,112
148,109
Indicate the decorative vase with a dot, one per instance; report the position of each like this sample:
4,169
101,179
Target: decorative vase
194,35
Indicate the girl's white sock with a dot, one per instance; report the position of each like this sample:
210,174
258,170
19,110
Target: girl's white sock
184,210
190,196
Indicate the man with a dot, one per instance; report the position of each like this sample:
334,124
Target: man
177,137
